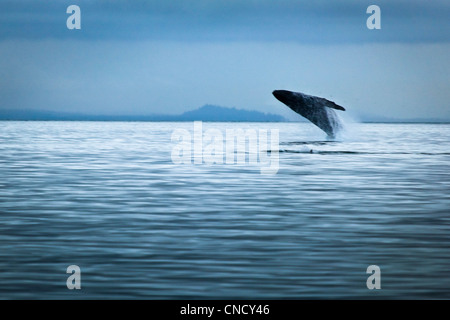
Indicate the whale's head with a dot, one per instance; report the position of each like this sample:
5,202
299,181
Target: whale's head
289,98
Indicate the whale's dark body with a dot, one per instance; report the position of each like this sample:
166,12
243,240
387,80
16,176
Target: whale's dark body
318,110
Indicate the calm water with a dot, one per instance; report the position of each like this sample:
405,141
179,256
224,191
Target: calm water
107,197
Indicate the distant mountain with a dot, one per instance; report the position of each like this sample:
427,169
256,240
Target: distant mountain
216,113
205,113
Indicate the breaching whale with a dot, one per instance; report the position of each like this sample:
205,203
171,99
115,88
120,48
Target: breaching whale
317,110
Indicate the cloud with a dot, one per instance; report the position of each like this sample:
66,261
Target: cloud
228,20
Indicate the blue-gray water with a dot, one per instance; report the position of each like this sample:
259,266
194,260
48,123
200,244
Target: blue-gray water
107,197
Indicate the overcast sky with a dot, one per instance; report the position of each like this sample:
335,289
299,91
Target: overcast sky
143,57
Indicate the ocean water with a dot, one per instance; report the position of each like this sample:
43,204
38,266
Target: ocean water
108,197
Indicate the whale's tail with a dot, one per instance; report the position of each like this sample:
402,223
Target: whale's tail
319,111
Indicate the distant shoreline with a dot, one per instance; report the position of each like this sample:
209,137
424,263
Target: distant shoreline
207,113
212,121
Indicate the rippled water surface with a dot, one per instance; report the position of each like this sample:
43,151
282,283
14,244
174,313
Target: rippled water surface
106,196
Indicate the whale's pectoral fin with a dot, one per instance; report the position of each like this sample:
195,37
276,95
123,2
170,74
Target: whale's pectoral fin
331,104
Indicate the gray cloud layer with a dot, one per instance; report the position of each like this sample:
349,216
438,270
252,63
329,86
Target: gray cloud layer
229,20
